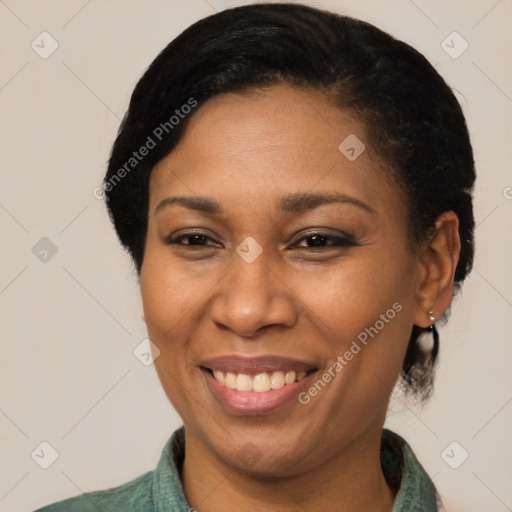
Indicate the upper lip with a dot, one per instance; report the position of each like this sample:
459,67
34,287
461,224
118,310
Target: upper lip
255,365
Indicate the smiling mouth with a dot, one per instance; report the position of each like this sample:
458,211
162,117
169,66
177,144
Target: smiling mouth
258,382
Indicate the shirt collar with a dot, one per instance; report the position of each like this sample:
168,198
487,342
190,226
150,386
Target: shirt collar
416,491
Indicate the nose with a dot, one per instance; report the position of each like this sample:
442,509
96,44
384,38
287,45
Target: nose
253,296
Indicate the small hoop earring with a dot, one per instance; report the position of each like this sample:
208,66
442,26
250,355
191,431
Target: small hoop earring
432,328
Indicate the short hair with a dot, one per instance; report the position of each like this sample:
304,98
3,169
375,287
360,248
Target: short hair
413,121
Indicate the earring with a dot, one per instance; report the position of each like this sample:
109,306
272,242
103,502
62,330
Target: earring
432,328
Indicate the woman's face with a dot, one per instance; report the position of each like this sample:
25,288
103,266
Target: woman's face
282,255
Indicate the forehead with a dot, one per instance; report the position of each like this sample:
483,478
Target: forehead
264,143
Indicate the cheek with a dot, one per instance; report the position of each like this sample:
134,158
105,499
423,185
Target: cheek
169,296
355,293
363,309
168,304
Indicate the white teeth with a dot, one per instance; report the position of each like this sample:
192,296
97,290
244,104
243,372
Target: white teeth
243,382
219,376
277,380
290,377
260,383
230,380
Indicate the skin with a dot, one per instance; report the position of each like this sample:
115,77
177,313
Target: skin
246,151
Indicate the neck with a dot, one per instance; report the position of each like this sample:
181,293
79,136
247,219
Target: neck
351,479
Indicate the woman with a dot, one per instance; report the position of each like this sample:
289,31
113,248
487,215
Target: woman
294,188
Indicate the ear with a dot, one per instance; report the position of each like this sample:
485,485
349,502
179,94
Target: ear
437,263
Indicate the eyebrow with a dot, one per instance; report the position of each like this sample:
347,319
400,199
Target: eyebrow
303,201
298,202
202,204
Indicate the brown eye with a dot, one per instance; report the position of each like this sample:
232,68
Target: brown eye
193,239
323,240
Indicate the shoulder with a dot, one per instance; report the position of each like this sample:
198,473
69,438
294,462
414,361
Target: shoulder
154,490
135,495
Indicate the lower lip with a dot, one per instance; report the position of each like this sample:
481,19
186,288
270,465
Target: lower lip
251,402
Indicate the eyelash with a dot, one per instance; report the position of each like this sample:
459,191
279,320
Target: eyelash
337,241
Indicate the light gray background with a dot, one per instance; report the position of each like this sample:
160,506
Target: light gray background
69,325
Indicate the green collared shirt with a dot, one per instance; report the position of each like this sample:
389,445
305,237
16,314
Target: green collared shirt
161,490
